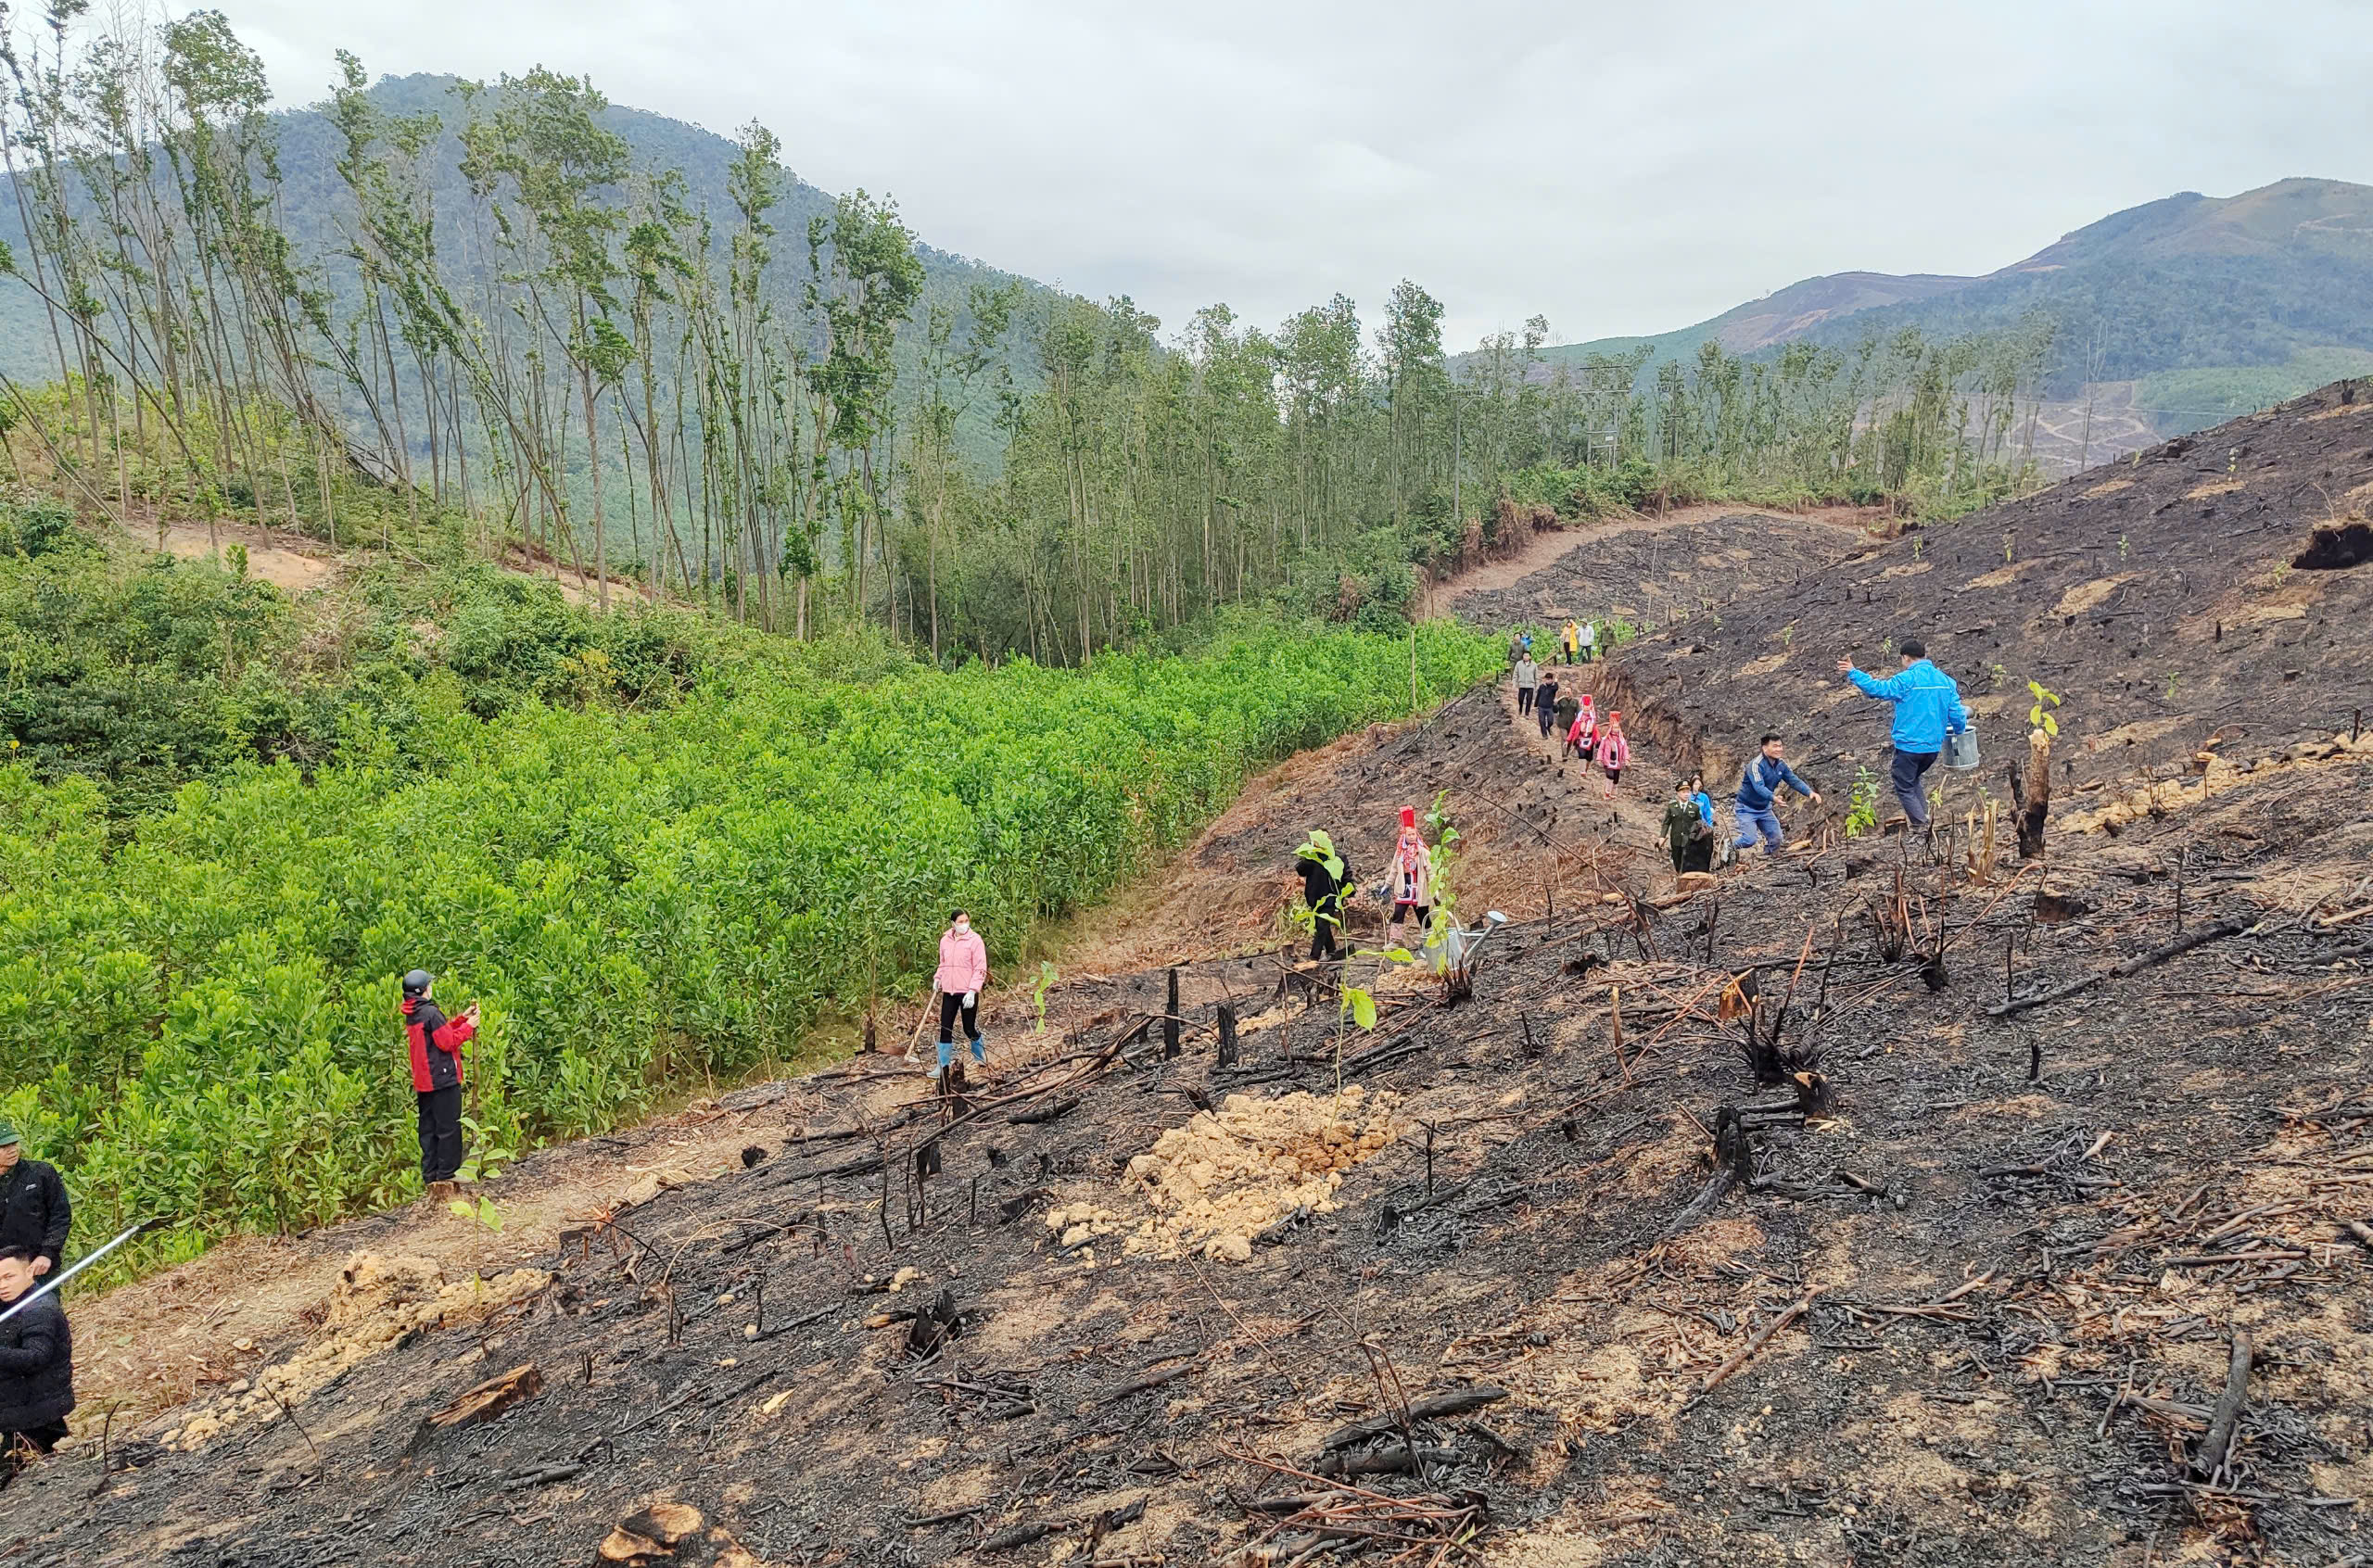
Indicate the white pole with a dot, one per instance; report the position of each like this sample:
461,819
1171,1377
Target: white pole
30,1297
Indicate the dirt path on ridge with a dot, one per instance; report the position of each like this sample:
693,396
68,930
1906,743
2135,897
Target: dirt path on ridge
1547,549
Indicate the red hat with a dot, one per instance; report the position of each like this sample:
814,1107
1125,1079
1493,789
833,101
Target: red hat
1408,816
1613,716
1586,699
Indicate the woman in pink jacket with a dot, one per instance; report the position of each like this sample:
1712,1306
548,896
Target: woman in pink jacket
1614,751
963,970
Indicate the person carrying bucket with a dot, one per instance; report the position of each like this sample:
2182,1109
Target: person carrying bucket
1927,710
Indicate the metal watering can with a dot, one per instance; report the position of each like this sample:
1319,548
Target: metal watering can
1961,751
1453,952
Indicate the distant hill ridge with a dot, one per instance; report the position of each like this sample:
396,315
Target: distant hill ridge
2222,304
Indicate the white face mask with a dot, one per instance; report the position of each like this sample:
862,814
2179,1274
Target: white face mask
963,928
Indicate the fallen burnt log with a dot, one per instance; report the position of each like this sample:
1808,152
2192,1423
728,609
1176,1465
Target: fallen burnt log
2134,965
2214,1449
483,1403
1432,1408
1404,1460
1150,1381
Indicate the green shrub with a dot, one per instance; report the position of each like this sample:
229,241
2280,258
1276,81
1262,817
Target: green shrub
199,1021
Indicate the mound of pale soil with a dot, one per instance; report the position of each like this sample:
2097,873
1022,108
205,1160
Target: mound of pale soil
376,1302
1226,1175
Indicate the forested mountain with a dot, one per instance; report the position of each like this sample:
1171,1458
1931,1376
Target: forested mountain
2214,305
511,320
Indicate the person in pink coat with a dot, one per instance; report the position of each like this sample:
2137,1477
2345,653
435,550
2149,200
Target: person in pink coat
1614,751
963,970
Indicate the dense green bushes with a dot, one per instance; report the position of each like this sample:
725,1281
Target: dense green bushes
198,1017
142,672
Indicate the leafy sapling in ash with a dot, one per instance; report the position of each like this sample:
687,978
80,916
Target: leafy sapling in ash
2040,716
1038,989
1862,804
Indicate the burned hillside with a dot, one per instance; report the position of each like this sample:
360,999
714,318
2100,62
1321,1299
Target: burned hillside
1651,572
2206,594
1886,1201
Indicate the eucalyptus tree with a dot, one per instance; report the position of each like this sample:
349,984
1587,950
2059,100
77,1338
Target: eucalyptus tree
863,279
545,143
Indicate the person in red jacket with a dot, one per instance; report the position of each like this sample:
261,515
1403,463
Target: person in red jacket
437,1043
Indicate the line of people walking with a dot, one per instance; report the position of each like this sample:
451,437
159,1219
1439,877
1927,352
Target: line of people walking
1928,713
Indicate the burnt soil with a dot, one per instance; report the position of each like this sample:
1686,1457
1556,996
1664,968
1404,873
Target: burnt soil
1980,1311
1645,574
2174,601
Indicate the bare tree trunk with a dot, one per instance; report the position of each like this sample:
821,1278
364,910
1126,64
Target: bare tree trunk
2031,796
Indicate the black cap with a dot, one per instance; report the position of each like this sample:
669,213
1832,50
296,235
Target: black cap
418,982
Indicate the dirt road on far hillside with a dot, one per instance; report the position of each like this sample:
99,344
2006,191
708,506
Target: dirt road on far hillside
1648,570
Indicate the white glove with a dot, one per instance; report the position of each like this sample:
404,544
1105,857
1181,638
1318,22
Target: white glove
970,997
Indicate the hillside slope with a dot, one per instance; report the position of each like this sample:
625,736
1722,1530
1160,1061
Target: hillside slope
2084,1281
2177,603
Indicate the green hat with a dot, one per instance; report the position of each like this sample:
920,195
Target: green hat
8,1134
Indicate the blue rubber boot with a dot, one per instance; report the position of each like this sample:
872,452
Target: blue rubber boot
946,1052
980,1051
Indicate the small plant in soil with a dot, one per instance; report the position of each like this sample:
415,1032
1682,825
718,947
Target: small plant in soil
2040,716
1038,989
1862,808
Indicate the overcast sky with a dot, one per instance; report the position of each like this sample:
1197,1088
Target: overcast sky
1620,167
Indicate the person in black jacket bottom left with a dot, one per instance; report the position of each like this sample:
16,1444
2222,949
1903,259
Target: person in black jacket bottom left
35,1213
36,1368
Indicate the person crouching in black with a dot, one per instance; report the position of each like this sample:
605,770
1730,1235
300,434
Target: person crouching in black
1326,877
36,1367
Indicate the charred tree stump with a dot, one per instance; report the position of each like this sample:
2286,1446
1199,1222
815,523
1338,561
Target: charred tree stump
2031,796
1733,1149
1814,1096
1225,1018
1170,1021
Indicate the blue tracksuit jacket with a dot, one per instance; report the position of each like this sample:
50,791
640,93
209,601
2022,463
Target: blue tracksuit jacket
1763,778
1927,704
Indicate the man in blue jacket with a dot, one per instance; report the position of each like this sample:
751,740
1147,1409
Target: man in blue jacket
1927,708
1759,786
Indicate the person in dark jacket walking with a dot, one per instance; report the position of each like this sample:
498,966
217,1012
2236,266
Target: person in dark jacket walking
36,1367
1568,708
1325,874
1687,837
437,1077
35,1213
1544,701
